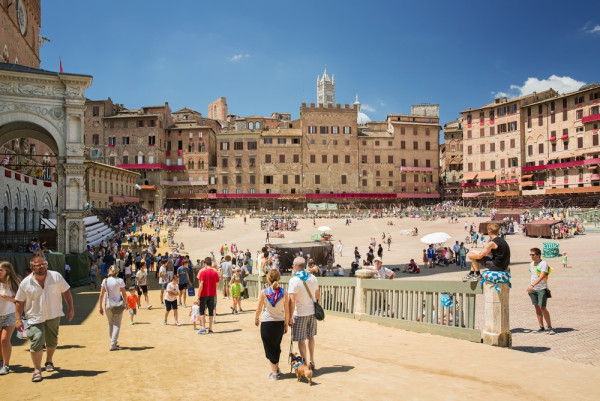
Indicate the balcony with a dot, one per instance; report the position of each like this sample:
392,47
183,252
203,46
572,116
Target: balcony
589,119
575,163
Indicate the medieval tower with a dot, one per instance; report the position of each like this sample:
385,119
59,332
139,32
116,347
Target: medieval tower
325,89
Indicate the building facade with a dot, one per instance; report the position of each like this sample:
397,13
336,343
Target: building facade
20,23
107,185
451,160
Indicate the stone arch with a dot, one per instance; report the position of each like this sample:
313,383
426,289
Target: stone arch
49,107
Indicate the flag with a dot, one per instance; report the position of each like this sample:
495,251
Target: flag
60,65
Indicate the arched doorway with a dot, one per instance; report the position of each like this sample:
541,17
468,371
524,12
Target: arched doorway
39,105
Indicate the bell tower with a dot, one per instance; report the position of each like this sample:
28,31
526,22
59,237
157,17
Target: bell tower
325,89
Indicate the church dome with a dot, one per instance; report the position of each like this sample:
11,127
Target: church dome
362,118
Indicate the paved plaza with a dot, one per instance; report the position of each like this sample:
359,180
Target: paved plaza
355,360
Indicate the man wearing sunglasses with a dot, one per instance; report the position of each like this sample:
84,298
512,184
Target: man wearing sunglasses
39,296
538,289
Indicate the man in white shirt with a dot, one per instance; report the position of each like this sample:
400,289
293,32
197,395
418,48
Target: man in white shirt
381,272
303,321
39,296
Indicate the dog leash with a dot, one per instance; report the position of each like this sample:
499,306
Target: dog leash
290,354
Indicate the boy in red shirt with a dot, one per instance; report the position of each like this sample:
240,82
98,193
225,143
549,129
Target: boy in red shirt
132,302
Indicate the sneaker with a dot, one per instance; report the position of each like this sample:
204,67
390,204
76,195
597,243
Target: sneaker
311,366
202,331
232,310
476,277
176,324
149,307
540,330
162,304
4,370
131,323
237,313
550,331
210,331
468,277
165,322
272,376
278,372
184,305
179,303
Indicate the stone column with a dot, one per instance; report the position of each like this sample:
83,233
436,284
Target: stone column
360,295
496,325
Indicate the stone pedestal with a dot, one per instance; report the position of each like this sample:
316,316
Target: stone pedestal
497,324
360,296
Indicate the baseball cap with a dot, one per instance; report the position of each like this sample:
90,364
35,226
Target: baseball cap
377,259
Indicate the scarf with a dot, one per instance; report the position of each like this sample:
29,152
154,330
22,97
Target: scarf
302,275
273,296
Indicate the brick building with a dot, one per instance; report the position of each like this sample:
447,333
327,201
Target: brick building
451,160
20,23
493,147
536,149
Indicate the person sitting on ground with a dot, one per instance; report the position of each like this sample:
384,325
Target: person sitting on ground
412,267
339,271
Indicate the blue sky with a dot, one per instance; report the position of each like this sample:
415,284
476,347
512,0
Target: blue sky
264,56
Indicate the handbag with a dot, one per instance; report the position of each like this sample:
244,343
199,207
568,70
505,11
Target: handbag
114,306
319,312
548,293
191,291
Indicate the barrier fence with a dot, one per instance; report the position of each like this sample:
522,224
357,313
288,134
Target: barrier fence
439,307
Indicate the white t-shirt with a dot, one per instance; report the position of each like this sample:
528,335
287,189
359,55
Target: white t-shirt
383,273
304,304
42,304
6,308
543,267
114,285
163,273
340,270
173,288
142,277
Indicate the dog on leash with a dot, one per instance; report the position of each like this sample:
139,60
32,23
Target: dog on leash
300,368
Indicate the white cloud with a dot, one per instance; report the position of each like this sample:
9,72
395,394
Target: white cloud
559,84
238,57
594,29
366,107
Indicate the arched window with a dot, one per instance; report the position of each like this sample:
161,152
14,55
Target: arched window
250,125
257,125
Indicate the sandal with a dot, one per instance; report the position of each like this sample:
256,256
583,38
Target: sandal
49,367
37,377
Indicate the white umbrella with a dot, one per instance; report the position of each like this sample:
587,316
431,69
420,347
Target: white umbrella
435,238
324,228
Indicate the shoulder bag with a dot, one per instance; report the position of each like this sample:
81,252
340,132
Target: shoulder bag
319,312
114,306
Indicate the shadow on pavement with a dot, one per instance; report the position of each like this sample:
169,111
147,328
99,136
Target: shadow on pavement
69,346
135,348
533,350
332,369
60,373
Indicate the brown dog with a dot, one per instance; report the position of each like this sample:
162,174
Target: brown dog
301,369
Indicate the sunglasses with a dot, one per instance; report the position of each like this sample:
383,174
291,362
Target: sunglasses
532,254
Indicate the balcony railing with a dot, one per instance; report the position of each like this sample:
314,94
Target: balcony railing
589,119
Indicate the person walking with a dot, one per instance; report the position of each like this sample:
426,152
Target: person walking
340,247
226,271
9,285
303,290
113,288
39,296
141,281
208,279
538,289
183,273
171,294
272,313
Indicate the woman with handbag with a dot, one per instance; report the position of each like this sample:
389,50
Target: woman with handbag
114,289
272,313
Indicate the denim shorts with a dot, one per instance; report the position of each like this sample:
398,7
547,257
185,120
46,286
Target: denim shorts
8,320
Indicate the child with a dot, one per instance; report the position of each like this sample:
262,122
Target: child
564,260
425,259
195,313
132,303
171,294
236,289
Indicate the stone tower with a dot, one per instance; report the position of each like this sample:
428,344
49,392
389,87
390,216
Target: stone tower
325,89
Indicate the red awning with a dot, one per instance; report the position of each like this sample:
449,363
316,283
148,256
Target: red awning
564,137
552,138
